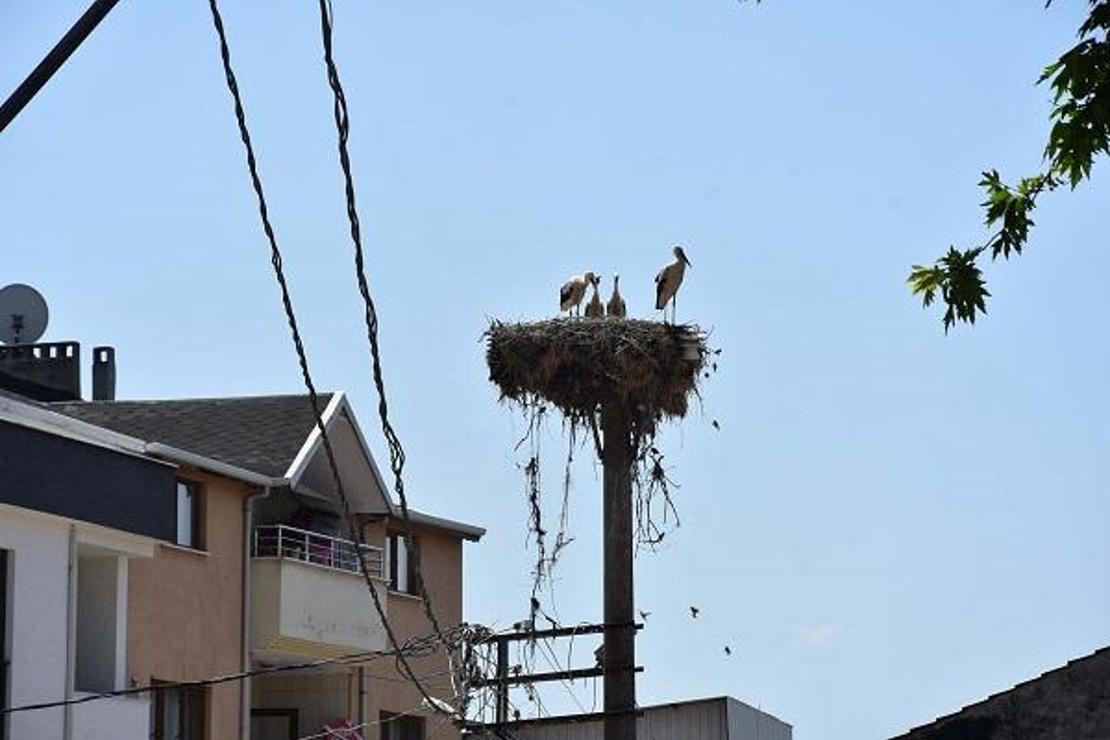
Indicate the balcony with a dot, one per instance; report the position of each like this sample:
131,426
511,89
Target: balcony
309,597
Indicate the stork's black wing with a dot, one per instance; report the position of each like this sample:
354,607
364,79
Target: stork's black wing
565,293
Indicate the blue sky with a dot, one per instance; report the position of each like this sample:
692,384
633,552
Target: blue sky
890,524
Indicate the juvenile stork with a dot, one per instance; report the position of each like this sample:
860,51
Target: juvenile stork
573,290
616,303
667,282
594,309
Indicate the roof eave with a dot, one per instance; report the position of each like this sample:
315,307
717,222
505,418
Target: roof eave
184,457
466,531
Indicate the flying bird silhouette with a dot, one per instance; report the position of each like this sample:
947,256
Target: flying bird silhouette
644,615
694,612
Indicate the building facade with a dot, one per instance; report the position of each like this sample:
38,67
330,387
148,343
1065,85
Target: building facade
263,575
717,718
79,513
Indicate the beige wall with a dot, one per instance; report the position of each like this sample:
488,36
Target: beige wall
385,688
184,607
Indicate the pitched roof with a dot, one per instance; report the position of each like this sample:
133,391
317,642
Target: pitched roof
262,434
1082,677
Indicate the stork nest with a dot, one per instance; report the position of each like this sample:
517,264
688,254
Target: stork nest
579,364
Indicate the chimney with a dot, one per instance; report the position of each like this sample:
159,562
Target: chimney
49,371
104,374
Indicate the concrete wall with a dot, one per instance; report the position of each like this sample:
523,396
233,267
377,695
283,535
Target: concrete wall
299,607
721,718
185,606
39,566
1070,703
39,630
386,689
119,718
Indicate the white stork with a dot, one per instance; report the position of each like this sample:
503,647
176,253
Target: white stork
594,309
616,305
574,290
667,282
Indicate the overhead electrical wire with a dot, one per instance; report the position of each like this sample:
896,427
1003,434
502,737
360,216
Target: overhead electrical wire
298,344
370,313
416,647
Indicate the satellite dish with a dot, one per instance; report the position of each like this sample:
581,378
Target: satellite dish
23,314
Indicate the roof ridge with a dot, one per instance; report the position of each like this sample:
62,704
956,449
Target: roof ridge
1044,674
191,399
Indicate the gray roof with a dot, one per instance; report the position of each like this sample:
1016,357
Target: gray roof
1070,701
258,433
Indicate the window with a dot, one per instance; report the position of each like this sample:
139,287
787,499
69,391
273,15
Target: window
188,515
177,714
402,567
402,727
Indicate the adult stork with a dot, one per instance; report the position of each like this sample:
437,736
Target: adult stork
616,305
573,290
668,281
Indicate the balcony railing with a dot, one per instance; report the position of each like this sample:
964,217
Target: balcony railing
291,543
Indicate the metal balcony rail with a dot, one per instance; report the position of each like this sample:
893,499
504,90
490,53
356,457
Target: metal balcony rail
283,541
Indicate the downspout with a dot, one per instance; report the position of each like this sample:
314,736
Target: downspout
244,632
71,632
362,697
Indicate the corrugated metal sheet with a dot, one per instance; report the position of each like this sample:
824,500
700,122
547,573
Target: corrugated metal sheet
748,723
712,719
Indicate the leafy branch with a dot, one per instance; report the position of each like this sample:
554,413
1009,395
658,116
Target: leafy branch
1080,132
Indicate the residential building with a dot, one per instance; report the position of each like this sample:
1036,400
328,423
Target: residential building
716,718
80,511
1071,702
216,545
271,549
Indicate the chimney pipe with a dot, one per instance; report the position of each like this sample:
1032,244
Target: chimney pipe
104,374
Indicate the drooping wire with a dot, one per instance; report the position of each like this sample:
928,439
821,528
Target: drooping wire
287,303
370,313
415,647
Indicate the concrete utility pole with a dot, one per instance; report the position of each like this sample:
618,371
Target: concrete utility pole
638,374
620,630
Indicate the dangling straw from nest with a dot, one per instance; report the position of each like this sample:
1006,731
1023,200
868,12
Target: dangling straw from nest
576,366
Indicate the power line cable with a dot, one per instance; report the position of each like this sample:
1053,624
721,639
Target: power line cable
416,647
287,303
370,313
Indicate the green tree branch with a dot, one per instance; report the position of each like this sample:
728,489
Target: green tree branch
1080,132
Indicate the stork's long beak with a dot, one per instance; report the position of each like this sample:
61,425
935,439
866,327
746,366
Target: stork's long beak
686,260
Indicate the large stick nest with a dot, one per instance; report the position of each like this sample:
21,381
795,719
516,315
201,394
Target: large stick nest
578,364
